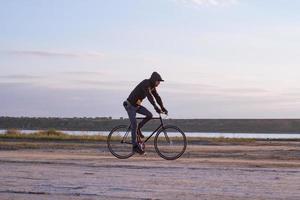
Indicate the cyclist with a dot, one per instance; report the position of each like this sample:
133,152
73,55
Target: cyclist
146,88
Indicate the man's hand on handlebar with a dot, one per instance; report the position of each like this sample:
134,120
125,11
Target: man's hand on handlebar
164,110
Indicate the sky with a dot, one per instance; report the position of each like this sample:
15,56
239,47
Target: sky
82,58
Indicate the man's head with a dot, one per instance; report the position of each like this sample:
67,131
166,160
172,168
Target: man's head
155,79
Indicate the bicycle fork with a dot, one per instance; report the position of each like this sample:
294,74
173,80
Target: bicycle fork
167,137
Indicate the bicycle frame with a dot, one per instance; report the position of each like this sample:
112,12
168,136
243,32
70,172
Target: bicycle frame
159,127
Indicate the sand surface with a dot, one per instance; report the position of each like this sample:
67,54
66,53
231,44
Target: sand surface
256,171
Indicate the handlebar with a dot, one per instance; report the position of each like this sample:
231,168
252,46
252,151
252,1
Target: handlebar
163,113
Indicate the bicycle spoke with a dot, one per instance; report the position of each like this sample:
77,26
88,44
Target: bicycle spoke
166,136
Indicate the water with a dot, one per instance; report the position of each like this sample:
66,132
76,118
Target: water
193,134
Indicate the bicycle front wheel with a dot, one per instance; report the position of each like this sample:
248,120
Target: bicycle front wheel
170,142
119,142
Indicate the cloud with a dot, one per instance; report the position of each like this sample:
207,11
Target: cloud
19,77
44,53
210,89
105,85
85,73
98,80
208,2
101,73
19,99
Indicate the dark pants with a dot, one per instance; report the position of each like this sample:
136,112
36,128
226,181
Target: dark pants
132,110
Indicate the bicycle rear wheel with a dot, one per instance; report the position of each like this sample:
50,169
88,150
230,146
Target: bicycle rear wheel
170,142
119,142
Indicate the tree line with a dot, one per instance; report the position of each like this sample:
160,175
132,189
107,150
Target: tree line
190,125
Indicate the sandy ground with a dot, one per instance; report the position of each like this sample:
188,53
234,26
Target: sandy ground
252,171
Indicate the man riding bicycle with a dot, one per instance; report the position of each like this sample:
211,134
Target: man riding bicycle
146,88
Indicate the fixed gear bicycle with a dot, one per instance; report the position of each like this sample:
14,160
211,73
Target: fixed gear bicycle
169,142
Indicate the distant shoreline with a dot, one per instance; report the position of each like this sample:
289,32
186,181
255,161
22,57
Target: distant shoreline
188,125
55,135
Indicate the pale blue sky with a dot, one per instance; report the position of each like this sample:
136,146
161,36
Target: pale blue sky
220,58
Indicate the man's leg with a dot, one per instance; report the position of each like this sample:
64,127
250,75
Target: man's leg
131,110
144,111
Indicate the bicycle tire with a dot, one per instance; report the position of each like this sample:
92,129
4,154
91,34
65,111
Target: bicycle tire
165,146
119,148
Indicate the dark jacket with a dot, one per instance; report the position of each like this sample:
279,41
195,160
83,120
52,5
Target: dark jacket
144,89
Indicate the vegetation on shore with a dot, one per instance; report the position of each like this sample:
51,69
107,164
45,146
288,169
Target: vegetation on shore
187,125
53,134
52,139
50,134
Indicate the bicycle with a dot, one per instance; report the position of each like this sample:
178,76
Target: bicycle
169,142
